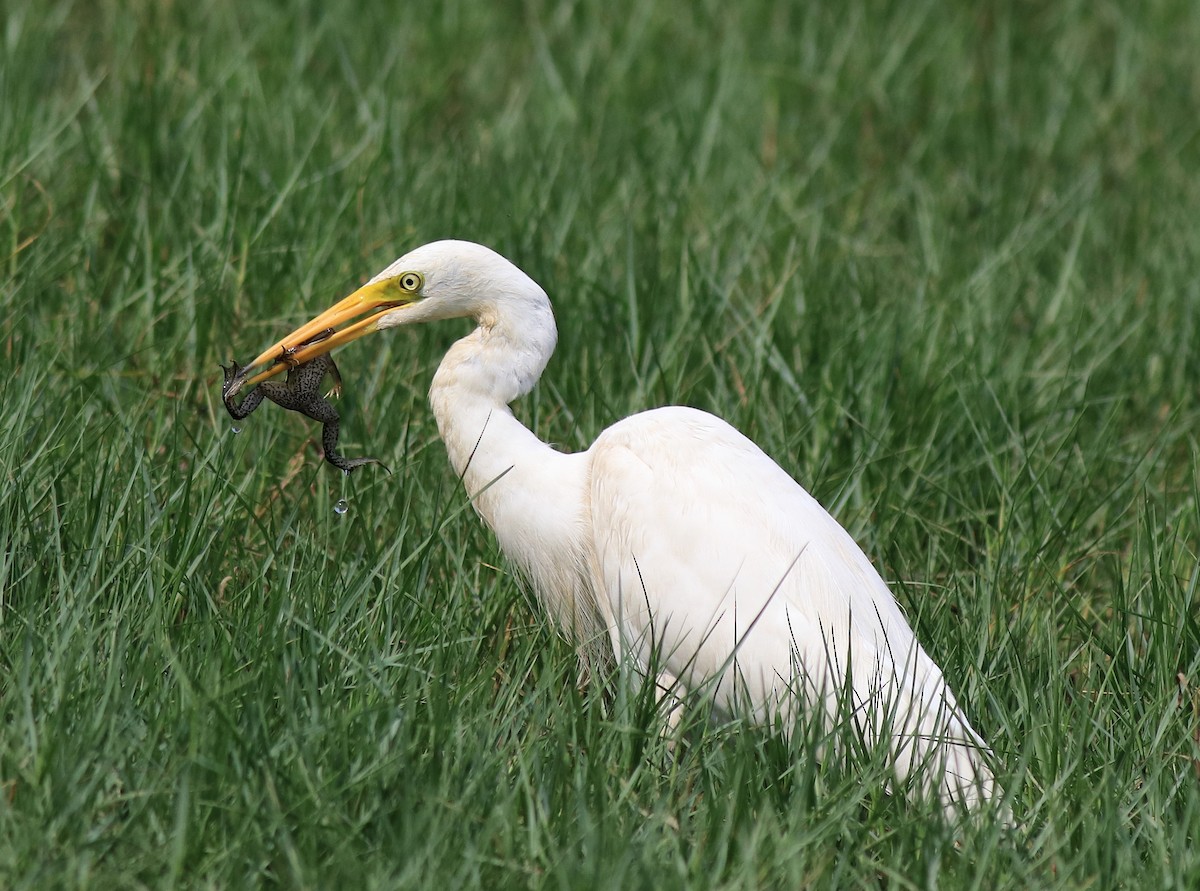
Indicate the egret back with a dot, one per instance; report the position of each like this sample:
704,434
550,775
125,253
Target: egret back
714,566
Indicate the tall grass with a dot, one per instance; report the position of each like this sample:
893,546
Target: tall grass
939,260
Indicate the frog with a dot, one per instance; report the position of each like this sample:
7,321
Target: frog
301,392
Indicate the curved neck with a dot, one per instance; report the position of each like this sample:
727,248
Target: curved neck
530,495
497,363
483,372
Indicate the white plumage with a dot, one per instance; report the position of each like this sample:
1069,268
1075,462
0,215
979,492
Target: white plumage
674,535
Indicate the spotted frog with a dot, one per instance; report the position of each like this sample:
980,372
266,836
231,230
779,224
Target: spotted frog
301,392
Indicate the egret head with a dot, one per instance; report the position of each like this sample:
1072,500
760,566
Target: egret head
440,280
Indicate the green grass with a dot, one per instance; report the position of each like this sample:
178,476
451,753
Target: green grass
940,260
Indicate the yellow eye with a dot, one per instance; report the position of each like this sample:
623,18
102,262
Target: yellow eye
411,281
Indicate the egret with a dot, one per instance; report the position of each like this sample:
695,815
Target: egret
674,536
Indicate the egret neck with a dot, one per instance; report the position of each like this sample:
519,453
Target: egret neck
514,479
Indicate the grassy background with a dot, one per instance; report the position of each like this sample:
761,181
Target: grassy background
940,260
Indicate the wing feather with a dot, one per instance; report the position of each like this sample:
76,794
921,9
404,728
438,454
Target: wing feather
715,565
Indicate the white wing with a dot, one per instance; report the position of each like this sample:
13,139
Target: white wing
713,566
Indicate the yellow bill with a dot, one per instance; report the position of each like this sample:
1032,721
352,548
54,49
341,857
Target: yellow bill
359,314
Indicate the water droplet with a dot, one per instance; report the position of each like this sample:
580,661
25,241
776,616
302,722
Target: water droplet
341,507
237,430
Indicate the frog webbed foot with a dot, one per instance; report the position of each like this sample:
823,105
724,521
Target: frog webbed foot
230,372
335,391
347,465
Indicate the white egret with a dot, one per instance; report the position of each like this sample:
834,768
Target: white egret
674,534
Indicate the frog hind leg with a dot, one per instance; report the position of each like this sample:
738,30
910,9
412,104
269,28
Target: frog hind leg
249,402
322,410
329,439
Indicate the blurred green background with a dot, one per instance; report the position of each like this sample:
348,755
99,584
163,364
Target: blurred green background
938,259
